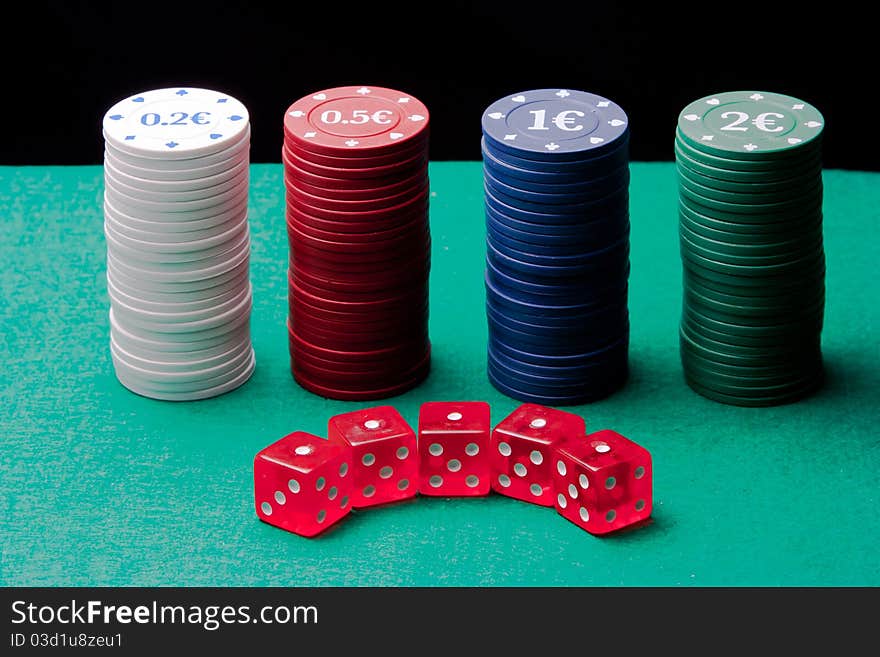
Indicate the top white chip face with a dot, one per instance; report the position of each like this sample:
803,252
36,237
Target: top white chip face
176,123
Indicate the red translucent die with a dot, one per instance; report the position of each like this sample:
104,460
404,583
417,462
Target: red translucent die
602,482
386,461
521,454
454,448
303,483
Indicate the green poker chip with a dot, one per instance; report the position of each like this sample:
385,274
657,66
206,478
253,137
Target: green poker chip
723,232
751,192
718,168
787,303
734,376
770,167
756,399
750,125
759,335
746,274
740,315
720,352
730,203
770,347
751,253
756,224
749,312
779,286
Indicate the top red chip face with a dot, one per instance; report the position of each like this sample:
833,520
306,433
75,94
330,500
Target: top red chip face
356,120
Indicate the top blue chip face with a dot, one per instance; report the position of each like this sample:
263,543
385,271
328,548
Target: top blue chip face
563,124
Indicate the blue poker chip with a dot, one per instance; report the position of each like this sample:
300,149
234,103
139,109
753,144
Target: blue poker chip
515,303
614,203
533,395
586,260
599,230
599,315
507,165
544,345
554,124
539,201
554,219
610,263
550,377
574,293
568,360
517,240
607,181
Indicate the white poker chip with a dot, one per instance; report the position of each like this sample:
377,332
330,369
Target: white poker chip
135,179
171,315
183,272
172,194
205,376
158,344
185,337
196,167
139,302
175,242
199,287
202,294
185,361
175,123
168,322
177,207
149,223
185,252
145,390
139,169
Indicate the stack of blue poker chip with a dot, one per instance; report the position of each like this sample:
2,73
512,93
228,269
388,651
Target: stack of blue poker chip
556,183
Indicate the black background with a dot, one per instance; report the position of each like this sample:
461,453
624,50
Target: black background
67,62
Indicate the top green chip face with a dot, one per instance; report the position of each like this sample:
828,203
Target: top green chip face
750,124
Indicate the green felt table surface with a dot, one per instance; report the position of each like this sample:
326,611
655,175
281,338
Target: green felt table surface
99,486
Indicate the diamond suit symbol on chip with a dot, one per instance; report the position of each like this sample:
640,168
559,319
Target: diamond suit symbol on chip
691,117
129,137
616,123
509,137
551,146
396,135
713,101
596,140
321,96
416,117
603,103
139,99
235,117
812,124
492,115
297,114
215,135
707,138
756,96
403,99
797,106
794,140
519,99
115,117
309,134
222,100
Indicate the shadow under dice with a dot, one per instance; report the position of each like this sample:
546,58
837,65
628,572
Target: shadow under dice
385,458
521,451
303,483
454,448
603,482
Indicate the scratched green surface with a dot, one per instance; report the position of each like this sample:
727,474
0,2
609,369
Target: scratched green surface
102,487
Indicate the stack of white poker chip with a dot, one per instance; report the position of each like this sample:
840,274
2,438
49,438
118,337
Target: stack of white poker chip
178,245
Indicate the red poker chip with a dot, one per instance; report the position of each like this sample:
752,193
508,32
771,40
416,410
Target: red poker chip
418,225
345,226
400,168
356,311
345,161
367,378
398,353
401,324
388,366
329,189
356,260
359,394
295,195
367,288
379,250
356,120
293,172
385,274
416,203
386,304
326,339
401,286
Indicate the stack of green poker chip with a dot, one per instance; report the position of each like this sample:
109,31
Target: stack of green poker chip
750,226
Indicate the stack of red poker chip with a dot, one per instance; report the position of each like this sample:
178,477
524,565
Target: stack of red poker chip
356,176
